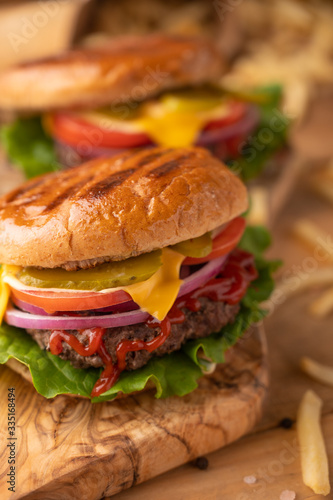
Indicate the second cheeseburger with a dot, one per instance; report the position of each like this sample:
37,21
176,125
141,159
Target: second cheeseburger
126,270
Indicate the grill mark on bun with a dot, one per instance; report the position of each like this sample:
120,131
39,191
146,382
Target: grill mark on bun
106,185
152,156
25,190
65,195
167,167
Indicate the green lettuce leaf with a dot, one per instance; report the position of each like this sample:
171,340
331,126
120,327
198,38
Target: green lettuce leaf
269,137
29,147
216,344
255,239
173,374
51,375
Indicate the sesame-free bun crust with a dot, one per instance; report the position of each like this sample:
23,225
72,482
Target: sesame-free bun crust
115,208
121,70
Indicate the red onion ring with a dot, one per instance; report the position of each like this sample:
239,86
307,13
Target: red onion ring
201,277
243,126
22,319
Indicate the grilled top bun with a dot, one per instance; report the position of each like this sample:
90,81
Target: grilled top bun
115,208
120,70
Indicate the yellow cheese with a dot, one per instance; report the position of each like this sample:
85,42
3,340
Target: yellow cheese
155,295
169,122
4,297
174,130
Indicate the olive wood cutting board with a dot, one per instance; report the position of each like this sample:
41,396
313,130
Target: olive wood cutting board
68,448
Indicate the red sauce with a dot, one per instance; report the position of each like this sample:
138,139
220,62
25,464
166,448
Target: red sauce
94,340
109,375
228,286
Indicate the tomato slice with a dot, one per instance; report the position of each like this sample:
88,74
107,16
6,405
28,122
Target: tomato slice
56,301
236,113
224,242
77,131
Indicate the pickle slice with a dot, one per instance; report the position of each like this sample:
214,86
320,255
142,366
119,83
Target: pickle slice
195,247
108,275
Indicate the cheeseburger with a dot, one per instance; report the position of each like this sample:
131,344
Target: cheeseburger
132,92
127,270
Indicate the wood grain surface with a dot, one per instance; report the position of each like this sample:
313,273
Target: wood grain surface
68,448
273,458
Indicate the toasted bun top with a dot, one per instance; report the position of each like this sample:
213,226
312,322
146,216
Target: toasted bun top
122,70
118,207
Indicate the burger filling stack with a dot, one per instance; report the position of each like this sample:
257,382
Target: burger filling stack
128,271
136,92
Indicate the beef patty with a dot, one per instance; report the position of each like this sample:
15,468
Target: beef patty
210,318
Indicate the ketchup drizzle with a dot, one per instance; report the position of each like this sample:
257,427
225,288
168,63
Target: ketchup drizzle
228,286
109,375
94,340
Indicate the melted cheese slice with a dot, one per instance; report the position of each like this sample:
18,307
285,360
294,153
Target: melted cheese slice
171,122
4,297
155,295
174,130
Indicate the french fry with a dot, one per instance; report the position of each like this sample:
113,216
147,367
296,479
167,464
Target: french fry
258,214
312,447
317,371
283,56
322,306
321,277
310,234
